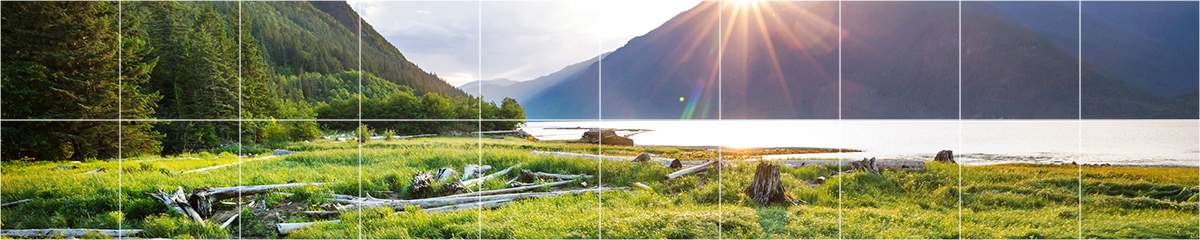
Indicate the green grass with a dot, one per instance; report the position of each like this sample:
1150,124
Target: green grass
998,201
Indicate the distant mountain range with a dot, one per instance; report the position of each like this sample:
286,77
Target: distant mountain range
899,60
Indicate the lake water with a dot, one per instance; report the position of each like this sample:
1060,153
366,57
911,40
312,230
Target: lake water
974,142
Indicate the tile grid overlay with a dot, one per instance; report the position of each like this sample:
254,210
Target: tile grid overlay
599,119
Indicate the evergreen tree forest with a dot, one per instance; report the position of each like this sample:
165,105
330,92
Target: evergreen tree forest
182,74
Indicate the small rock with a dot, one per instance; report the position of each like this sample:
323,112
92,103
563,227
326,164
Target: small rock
642,158
819,180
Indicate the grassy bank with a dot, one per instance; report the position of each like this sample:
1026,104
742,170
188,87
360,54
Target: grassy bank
998,201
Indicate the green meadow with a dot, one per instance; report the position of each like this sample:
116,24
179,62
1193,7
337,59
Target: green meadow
997,201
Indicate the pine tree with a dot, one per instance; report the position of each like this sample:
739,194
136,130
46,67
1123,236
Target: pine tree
60,62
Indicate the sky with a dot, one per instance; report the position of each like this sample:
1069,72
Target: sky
517,40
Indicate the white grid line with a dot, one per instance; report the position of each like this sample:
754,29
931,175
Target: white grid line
1079,167
720,100
240,116
120,115
479,52
840,140
360,125
961,35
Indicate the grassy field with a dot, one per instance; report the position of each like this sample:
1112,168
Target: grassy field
998,201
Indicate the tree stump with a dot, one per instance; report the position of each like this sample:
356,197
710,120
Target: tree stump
945,156
421,183
676,164
766,188
866,165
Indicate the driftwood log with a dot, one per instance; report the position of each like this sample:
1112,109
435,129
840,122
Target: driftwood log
508,190
286,228
226,165
421,183
693,169
529,175
178,203
766,188
866,165
18,202
945,156
69,232
201,199
477,181
93,171
361,203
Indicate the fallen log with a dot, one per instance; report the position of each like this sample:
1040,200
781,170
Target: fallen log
533,175
507,190
866,165
473,182
67,232
439,202
202,198
235,216
93,171
465,206
285,228
664,161
18,202
693,169
226,165
474,171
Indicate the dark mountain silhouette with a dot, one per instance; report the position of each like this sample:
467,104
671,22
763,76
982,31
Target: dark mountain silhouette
1150,45
523,91
899,61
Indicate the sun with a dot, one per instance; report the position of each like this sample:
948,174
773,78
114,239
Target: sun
743,3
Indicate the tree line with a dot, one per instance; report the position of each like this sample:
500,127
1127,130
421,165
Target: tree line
180,60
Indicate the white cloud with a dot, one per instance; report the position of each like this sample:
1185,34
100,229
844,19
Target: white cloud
521,40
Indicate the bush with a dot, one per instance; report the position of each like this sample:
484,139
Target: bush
387,134
364,133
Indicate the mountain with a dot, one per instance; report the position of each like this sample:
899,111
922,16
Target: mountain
494,82
322,37
524,91
1150,45
899,60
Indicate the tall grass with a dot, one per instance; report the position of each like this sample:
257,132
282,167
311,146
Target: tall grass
999,201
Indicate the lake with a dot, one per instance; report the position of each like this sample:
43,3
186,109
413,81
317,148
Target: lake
974,142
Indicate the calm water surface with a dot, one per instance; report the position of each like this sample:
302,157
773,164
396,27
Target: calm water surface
975,142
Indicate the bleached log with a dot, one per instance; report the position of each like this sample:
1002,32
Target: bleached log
465,206
473,182
226,165
93,171
67,232
554,176
230,220
641,186
285,228
507,190
181,200
693,169
202,198
664,161
439,202
19,202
